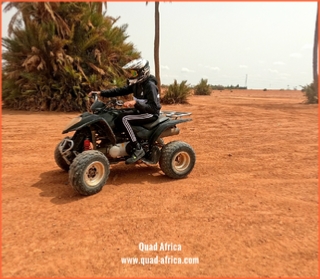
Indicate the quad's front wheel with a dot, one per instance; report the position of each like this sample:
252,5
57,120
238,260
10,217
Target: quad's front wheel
177,159
89,172
58,157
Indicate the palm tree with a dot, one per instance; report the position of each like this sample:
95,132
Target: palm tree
41,12
61,52
157,43
100,6
315,53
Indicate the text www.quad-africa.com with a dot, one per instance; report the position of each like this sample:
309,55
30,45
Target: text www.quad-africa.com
159,260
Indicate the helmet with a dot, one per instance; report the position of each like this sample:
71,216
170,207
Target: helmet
139,70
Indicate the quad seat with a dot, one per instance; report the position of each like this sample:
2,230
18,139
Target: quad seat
160,119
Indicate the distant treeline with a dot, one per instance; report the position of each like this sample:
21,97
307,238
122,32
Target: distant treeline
221,87
217,87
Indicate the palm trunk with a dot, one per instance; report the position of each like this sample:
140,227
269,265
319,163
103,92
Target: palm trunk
315,53
100,8
156,45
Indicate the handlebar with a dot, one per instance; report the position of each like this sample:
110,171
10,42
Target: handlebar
111,103
119,102
94,96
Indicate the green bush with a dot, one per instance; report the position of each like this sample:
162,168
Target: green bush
202,88
177,93
311,93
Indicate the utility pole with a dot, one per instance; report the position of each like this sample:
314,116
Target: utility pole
246,81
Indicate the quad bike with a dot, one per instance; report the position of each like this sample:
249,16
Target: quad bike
97,143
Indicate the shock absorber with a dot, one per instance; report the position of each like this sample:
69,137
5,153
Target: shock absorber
86,144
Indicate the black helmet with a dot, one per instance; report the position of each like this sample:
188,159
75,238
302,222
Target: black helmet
139,70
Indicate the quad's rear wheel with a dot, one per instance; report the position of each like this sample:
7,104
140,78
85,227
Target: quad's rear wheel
89,172
59,159
177,159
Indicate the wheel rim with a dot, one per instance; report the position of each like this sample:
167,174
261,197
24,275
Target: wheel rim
94,173
181,162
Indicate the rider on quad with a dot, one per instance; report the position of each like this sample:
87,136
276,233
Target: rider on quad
145,104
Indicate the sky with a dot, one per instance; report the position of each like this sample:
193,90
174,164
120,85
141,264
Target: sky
254,44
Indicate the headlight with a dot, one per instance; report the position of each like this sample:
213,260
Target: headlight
73,122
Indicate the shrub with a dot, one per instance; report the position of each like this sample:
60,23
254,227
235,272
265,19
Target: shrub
177,93
311,92
202,88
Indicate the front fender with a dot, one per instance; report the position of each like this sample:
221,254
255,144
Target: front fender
87,119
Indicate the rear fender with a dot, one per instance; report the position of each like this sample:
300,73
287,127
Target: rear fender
164,126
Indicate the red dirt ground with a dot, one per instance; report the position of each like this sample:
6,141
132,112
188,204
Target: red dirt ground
248,209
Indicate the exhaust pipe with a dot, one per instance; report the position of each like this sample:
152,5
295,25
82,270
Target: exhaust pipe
170,132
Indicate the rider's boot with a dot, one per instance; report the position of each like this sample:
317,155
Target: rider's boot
137,153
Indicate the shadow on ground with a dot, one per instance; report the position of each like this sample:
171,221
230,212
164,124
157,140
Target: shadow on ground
55,183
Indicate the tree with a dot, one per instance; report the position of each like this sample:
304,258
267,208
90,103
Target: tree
58,52
311,90
156,51
157,44
39,12
315,53
100,6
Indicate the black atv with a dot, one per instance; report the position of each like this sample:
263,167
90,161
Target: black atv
97,143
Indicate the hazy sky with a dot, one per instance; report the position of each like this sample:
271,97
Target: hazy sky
258,44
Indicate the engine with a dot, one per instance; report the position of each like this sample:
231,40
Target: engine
119,150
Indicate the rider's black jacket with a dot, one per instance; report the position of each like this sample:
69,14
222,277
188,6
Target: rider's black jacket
146,95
